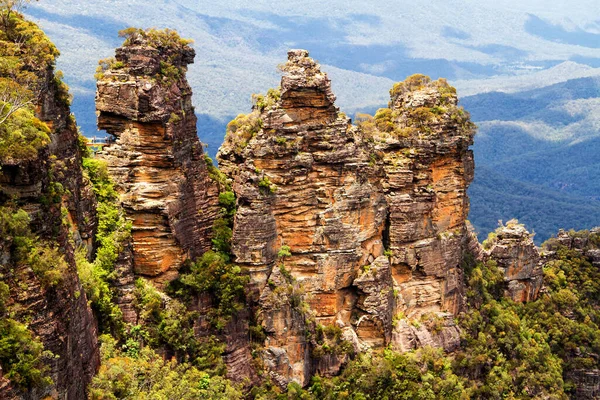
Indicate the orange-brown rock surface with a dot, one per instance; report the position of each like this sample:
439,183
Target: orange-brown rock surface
374,215
144,101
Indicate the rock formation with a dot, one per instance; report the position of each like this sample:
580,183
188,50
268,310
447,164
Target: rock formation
512,248
156,159
373,216
585,242
52,190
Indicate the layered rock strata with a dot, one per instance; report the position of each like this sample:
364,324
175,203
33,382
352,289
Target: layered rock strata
156,159
511,247
61,206
373,217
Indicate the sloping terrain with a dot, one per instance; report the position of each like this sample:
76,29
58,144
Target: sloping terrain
537,157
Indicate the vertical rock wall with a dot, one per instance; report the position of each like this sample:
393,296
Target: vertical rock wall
374,216
58,315
156,159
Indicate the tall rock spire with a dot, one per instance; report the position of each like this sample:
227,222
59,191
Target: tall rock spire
372,216
144,101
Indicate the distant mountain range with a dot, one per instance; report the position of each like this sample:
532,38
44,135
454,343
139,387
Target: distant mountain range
528,73
537,157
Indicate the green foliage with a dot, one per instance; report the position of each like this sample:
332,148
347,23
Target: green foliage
22,135
222,227
412,83
82,142
167,41
569,312
169,325
262,102
242,129
265,184
113,233
27,54
22,355
105,65
423,374
45,260
158,38
504,351
216,175
149,376
214,274
284,251
329,341
25,41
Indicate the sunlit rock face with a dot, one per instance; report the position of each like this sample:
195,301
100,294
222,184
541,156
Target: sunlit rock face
511,247
373,215
156,159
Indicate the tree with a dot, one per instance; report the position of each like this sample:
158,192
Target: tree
7,7
13,97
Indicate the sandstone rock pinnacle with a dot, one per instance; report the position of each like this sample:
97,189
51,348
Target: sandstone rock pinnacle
144,101
373,215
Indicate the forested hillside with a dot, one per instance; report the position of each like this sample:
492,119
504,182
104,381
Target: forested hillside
537,157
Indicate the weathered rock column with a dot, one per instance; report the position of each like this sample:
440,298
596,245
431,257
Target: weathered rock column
425,137
339,196
156,159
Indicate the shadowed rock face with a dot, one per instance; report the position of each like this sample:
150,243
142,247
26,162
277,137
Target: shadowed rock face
58,315
340,195
156,159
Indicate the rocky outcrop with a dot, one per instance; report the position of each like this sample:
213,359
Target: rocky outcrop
512,248
61,206
587,384
585,242
156,159
373,216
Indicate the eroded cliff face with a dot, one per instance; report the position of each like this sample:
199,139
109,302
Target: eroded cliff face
156,159
60,205
373,217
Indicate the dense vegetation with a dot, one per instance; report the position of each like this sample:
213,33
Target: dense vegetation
148,375
111,238
26,54
131,366
22,355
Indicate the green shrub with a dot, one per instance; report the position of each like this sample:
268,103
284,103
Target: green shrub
150,376
113,234
22,136
215,275
265,183
22,355
222,227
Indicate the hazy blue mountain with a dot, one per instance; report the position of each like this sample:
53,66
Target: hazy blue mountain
537,157
527,71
